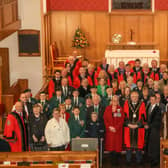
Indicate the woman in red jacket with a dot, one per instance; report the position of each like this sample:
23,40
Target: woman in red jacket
113,120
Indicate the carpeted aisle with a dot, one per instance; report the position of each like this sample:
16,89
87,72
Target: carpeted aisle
108,163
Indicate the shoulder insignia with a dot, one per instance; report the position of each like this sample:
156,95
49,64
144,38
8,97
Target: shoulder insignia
8,122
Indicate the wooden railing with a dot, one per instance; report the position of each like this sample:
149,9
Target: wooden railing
44,88
49,159
10,97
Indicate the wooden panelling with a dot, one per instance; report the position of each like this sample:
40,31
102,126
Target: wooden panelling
4,52
117,26
58,30
72,23
8,101
146,26
7,12
131,22
102,33
9,21
99,28
89,27
161,33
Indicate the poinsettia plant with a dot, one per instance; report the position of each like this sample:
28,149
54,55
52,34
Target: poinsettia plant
79,41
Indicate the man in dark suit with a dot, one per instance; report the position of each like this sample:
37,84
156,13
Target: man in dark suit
30,99
44,103
96,107
27,107
77,100
153,126
54,83
84,89
66,89
55,101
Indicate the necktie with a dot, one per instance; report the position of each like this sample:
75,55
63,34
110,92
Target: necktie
96,109
42,103
76,102
65,91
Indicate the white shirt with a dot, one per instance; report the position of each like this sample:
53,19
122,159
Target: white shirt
153,106
57,133
77,117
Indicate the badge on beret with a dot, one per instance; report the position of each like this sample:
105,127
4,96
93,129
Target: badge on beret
8,122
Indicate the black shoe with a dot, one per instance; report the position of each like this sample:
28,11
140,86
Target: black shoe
128,164
154,164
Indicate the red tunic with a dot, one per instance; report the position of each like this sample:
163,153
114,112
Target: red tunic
15,132
113,141
155,75
134,138
137,74
51,89
76,67
119,76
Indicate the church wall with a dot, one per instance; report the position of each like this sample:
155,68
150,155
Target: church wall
100,26
25,67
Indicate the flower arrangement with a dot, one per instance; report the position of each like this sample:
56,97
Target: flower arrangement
116,38
80,41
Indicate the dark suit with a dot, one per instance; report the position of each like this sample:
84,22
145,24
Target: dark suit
68,92
154,122
83,92
100,112
45,106
27,110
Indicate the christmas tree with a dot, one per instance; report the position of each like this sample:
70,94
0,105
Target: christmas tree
79,40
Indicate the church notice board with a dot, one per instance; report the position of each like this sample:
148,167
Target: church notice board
29,43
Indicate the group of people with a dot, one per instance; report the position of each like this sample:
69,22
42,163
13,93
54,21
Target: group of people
125,107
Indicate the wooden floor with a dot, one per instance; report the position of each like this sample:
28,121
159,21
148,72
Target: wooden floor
108,163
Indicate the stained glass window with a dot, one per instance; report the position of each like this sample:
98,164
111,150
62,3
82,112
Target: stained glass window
131,4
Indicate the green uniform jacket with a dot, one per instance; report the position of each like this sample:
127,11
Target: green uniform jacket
76,129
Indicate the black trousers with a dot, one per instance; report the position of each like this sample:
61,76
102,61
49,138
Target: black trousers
154,145
58,148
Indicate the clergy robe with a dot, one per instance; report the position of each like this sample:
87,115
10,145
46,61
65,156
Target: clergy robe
137,74
75,67
119,75
134,138
113,141
15,132
154,74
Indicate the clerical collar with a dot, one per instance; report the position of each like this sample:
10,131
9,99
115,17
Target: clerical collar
154,69
134,103
137,68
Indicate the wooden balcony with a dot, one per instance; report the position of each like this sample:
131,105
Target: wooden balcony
9,21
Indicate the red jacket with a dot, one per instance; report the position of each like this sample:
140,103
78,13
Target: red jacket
113,141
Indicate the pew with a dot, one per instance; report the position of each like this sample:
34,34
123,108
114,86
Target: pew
163,157
49,159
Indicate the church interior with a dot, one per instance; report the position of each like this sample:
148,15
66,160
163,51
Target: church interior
42,40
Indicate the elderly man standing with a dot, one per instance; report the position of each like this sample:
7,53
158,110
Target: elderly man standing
134,132
15,130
